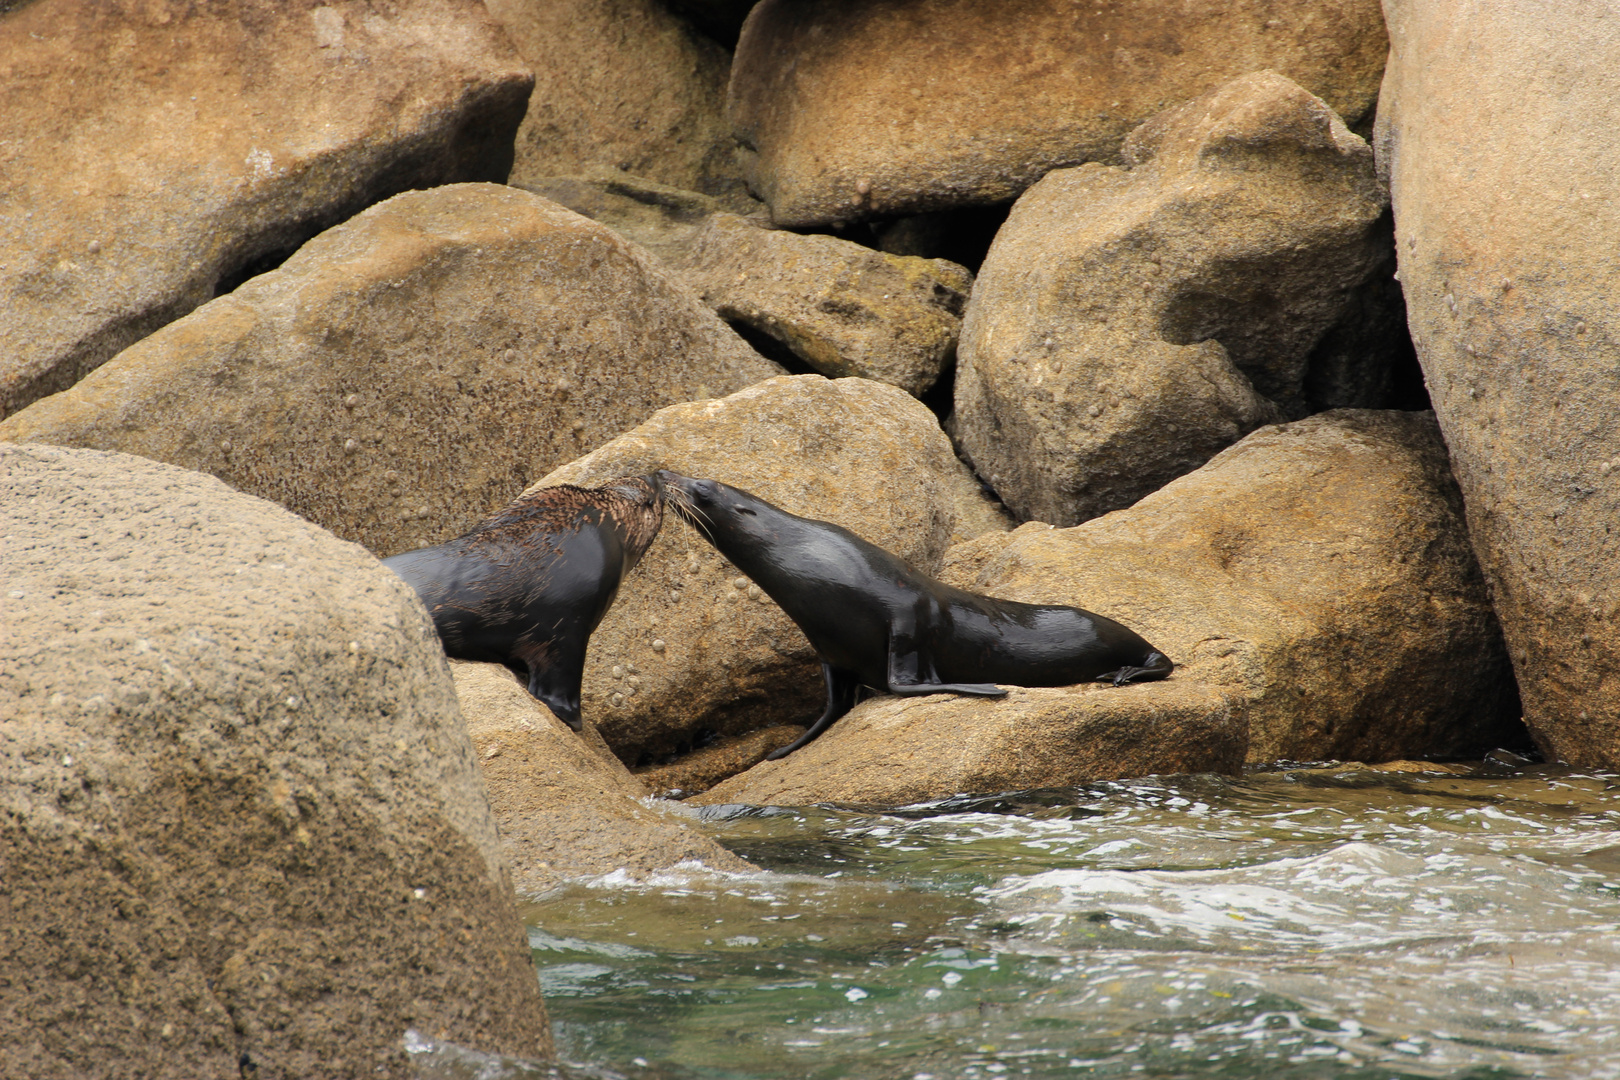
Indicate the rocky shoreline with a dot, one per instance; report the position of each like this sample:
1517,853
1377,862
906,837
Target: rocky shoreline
1136,310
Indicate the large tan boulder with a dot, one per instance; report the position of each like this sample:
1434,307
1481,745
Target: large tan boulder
890,751
841,308
691,649
412,370
1313,584
565,805
1503,158
154,154
625,84
1321,567
860,109
243,827
1131,321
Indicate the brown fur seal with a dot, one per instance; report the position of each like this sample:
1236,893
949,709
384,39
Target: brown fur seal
876,622
527,586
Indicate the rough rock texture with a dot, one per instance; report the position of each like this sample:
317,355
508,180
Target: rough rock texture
565,805
1321,567
839,307
890,751
691,650
859,109
702,769
663,219
243,825
1131,321
413,369
623,83
1313,583
153,154
1498,137
842,308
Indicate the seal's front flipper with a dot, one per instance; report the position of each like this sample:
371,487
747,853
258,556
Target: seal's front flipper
1156,666
977,689
563,703
555,681
842,686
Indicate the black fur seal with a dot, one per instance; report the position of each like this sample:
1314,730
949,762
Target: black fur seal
876,622
527,586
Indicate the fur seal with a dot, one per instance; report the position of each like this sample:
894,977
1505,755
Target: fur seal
874,621
527,586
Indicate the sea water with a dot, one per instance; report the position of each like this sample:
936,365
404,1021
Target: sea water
1310,922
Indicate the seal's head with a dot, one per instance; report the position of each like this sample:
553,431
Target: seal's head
726,516
640,490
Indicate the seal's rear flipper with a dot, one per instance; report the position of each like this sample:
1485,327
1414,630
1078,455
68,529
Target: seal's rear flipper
842,686
977,689
1156,666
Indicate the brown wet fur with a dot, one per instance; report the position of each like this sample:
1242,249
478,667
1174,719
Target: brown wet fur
527,586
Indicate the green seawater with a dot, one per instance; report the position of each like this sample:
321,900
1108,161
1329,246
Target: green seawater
1294,923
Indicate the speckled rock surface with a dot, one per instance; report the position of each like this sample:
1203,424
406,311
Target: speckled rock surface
412,370
842,308
890,751
566,807
622,83
150,151
1129,322
1503,157
243,823
663,219
692,650
863,110
1321,567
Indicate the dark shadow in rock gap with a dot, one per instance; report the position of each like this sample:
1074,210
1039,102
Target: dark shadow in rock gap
770,348
476,152
1366,360
720,20
260,264
963,235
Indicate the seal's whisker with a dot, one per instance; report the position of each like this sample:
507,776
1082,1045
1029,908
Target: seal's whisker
689,511
681,503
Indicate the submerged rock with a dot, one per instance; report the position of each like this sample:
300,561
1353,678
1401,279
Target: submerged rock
243,821
1130,322
154,155
565,806
1313,585
691,650
1503,158
860,110
412,370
